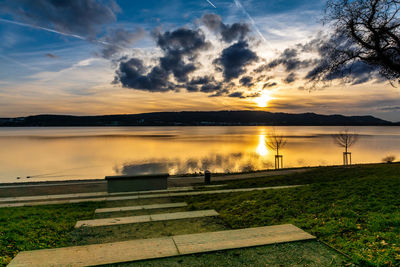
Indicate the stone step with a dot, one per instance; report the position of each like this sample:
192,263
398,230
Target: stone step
142,207
143,249
146,218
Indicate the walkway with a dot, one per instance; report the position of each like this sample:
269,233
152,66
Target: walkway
142,249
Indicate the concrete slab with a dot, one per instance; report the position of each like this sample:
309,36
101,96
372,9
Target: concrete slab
205,242
122,198
113,221
160,247
183,215
146,218
142,207
98,254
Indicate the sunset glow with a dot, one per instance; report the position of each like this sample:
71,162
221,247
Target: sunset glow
263,100
123,59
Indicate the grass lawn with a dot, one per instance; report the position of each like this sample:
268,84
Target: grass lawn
354,209
28,228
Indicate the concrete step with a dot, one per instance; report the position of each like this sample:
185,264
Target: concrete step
146,218
142,207
143,249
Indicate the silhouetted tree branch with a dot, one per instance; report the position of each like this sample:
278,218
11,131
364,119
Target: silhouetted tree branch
366,31
275,141
345,139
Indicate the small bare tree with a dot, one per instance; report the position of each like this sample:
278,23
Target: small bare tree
276,142
346,139
389,159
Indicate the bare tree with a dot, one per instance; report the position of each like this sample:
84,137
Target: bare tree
365,31
276,142
345,139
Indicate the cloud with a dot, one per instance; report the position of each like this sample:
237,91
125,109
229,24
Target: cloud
178,46
131,74
82,17
246,81
289,60
180,49
354,73
181,64
237,94
290,78
234,60
206,84
269,85
391,108
119,39
229,33
50,55
324,46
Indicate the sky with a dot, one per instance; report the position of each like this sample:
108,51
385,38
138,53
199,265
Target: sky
91,57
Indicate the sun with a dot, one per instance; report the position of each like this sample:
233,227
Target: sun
263,99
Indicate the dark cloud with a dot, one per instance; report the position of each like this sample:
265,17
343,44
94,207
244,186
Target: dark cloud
82,17
180,48
290,78
205,84
289,60
131,74
393,108
119,39
354,73
246,81
234,60
269,85
229,33
175,69
50,55
237,95
177,45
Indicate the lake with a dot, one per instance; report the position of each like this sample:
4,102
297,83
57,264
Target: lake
94,152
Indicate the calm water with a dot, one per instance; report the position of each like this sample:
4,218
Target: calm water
94,152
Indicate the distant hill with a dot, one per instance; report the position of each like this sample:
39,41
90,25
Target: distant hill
198,118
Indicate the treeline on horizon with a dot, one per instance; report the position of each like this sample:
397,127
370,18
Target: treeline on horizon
198,118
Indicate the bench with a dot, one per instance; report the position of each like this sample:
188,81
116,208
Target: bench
130,183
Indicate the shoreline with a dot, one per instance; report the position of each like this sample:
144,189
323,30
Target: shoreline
100,185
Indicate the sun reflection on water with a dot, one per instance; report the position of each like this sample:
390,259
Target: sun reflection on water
261,148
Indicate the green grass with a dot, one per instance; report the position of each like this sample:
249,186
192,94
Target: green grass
307,253
356,210
28,228
319,175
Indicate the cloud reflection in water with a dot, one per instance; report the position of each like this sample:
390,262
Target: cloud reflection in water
234,162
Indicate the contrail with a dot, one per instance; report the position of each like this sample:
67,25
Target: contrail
19,63
54,31
41,28
211,3
239,5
